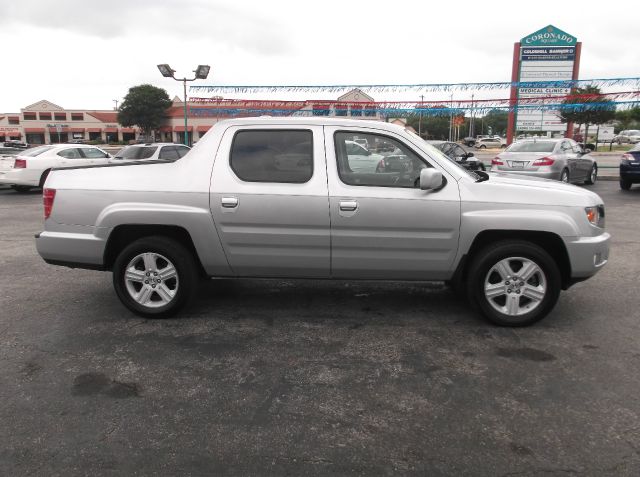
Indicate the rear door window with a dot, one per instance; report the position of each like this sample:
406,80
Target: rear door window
71,153
93,153
273,155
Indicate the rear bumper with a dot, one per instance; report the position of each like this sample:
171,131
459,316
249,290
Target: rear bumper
25,177
542,174
71,249
630,173
588,255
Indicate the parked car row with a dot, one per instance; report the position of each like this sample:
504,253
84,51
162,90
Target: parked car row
27,169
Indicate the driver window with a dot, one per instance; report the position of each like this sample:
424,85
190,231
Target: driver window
386,162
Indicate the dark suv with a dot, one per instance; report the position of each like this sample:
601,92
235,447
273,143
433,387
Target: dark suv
459,155
630,168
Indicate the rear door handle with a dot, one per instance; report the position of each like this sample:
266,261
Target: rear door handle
348,205
229,202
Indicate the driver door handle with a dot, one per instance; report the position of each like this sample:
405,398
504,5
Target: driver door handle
229,202
348,205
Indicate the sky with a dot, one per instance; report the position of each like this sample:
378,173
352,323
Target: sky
84,54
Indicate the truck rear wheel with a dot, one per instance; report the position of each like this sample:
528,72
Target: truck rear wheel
155,277
513,283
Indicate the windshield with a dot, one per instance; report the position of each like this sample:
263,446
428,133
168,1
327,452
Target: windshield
634,132
136,152
36,151
532,146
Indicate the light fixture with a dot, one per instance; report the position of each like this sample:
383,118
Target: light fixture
202,71
166,71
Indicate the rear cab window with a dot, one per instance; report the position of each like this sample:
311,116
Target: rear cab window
274,155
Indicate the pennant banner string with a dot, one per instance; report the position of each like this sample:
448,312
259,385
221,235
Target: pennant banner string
324,110
390,88
459,103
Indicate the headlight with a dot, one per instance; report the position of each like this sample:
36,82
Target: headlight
595,215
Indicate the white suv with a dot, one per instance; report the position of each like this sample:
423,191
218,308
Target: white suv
31,167
163,151
495,142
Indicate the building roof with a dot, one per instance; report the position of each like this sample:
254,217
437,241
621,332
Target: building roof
43,105
357,95
105,116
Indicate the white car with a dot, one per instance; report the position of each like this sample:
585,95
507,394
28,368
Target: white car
163,151
31,167
631,136
494,142
360,159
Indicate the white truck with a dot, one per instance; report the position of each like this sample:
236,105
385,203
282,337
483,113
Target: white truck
283,197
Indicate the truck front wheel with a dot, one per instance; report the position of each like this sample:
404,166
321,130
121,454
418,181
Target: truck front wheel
155,277
513,282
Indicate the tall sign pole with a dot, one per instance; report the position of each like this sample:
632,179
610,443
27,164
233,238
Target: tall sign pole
513,96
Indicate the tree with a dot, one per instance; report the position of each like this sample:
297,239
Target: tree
628,118
496,119
587,106
434,125
144,106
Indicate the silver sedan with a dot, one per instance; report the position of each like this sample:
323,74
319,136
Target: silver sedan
559,159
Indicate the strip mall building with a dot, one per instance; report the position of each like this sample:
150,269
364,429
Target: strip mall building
47,123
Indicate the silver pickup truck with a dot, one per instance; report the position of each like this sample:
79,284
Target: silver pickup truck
302,198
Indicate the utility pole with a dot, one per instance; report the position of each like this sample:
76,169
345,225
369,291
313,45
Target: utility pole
420,120
471,121
116,101
451,117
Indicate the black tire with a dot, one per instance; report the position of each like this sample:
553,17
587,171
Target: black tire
625,184
593,175
43,178
483,146
21,189
183,286
482,272
565,177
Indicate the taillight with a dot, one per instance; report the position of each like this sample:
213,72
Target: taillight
497,162
626,158
20,164
545,161
48,195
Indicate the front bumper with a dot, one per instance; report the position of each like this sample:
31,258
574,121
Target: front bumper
588,255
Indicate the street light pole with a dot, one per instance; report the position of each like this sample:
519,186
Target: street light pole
201,73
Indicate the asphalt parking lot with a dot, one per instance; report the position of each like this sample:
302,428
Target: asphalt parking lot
288,377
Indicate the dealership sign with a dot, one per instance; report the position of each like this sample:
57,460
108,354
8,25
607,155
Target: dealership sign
548,54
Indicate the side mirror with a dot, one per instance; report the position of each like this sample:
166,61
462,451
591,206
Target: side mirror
430,179
469,154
